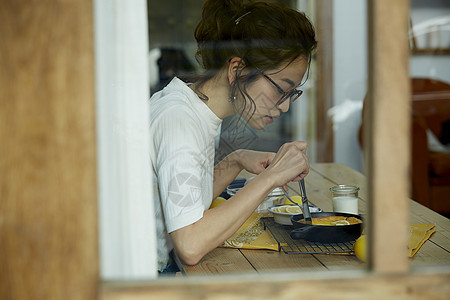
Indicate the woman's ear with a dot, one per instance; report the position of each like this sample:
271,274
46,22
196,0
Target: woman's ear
235,64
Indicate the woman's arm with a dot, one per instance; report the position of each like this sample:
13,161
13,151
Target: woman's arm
218,224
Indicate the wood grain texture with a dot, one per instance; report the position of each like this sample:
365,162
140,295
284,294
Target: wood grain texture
389,132
221,260
287,286
48,209
271,261
325,81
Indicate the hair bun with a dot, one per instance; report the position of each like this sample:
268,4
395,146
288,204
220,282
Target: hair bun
259,32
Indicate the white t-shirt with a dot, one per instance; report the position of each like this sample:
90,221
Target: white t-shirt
182,132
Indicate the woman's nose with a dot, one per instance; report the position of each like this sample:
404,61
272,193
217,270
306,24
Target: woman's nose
284,106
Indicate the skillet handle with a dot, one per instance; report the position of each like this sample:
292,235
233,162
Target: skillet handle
300,233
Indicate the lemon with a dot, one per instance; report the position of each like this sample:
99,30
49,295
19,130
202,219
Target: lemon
297,199
217,202
293,209
360,248
341,222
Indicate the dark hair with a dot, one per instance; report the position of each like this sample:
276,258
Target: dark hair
264,35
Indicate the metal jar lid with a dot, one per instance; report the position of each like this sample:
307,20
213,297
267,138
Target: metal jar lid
277,192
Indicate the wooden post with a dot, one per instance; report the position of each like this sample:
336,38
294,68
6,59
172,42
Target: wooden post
48,193
389,132
324,28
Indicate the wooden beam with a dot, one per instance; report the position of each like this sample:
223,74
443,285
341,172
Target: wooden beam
389,134
48,206
286,286
325,80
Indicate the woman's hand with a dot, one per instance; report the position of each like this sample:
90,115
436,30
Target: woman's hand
254,161
289,164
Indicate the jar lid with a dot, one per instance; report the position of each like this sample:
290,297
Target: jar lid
344,188
276,192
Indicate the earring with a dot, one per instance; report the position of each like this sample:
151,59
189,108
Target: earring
232,99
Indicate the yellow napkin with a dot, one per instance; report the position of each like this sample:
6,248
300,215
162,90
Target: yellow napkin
419,233
251,235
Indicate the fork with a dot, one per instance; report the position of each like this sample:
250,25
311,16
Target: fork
289,198
306,212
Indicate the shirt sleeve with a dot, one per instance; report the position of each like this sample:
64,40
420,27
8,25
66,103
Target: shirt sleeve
179,161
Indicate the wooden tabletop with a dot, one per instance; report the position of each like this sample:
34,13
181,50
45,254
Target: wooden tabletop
434,252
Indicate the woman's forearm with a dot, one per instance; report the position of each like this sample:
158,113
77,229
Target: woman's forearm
225,172
218,224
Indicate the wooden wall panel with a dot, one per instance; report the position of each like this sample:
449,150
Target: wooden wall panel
48,196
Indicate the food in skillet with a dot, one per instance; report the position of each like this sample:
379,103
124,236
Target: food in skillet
334,221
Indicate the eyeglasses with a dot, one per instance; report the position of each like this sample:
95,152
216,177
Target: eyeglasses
292,94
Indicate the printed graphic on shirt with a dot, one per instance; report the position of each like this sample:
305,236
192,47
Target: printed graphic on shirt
184,188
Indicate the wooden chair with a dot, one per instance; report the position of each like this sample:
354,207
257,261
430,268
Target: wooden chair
430,108
430,171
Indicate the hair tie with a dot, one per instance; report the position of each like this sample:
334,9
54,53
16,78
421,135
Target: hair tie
241,17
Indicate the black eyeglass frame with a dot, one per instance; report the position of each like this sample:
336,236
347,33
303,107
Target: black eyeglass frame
293,94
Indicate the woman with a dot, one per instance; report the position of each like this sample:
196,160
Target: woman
254,56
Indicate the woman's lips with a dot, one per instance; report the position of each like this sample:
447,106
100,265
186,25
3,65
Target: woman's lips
268,119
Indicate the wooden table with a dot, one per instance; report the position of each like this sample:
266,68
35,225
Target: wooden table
435,252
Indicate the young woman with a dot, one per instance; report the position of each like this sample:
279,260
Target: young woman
255,57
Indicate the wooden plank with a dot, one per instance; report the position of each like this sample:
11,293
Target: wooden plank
342,174
389,134
331,285
325,80
221,261
431,254
270,261
422,214
339,262
48,215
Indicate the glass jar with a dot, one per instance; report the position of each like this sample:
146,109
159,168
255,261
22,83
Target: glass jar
345,198
276,197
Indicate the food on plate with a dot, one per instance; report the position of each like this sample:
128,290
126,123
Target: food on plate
334,221
289,209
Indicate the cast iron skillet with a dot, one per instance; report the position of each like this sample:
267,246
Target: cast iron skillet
323,233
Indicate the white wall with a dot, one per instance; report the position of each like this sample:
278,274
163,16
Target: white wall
350,78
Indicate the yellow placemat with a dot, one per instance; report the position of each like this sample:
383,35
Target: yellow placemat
251,235
419,233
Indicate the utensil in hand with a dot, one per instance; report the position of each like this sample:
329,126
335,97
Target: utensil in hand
306,212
